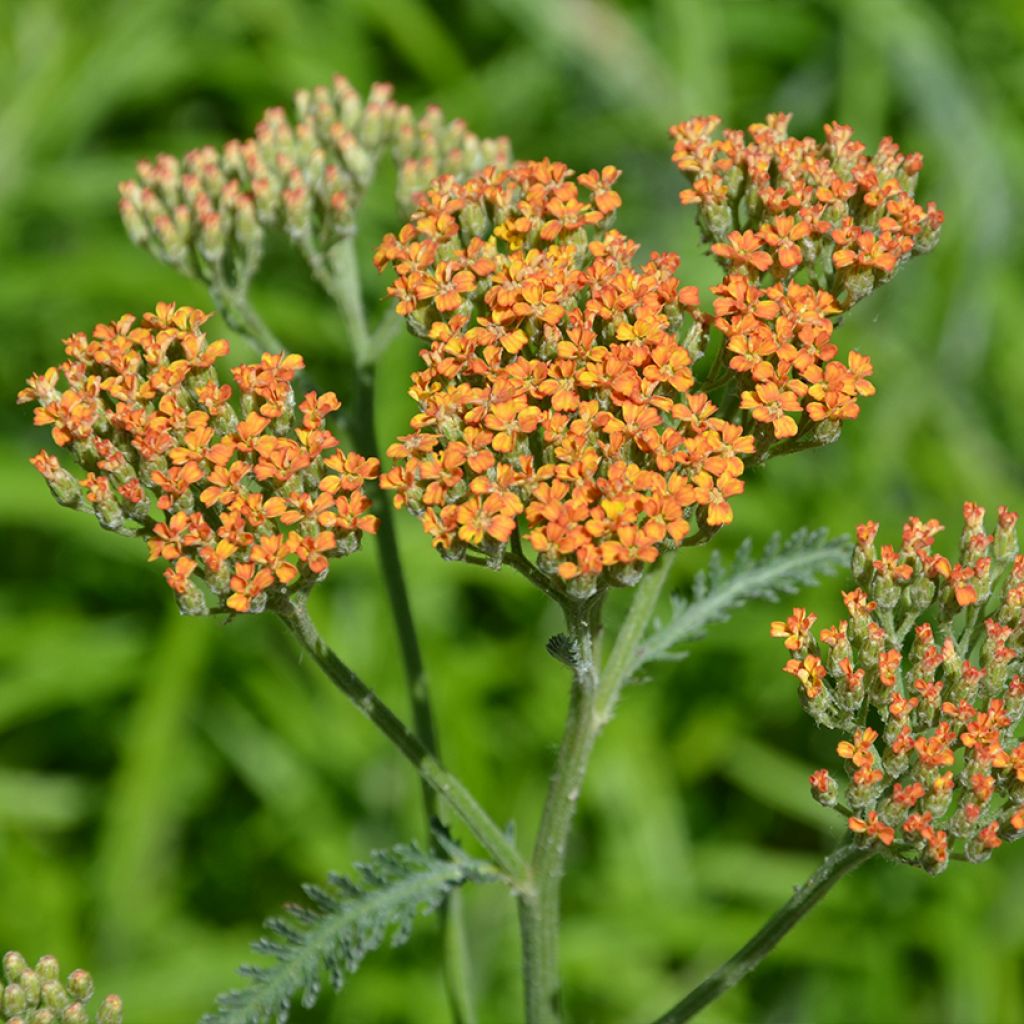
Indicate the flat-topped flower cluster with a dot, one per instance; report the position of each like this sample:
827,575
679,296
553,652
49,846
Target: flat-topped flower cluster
559,402
804,230
557,394
925,677
304,174
248,501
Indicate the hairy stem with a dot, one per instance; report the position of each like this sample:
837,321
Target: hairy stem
240,315
839,863
539,915
346,290
450,789
625,653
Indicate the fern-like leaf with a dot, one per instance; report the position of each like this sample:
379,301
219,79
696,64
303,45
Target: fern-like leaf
783,568
342,922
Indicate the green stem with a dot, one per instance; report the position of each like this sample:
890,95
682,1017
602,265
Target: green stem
345,288
240,315
457,973
539,917
839,863
627,653
364,435
491,837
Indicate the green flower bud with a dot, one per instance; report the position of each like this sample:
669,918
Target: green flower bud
75,1013
110,1011
30,982
54,996
14,1001
859,285
48,969
80,985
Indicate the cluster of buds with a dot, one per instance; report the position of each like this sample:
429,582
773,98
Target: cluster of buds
924,677
556,394
250,501
206,214
803,230
38,996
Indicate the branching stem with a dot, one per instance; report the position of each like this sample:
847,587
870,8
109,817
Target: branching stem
539,917
491,837
839,863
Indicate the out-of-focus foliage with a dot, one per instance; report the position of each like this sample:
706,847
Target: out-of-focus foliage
167,783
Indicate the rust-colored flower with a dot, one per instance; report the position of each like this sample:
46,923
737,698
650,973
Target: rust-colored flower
927,685
557,406
248,501
803,230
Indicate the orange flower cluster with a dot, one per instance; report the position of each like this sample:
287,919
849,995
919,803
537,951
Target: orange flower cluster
803,231
556,392
250,503
206,214
925,676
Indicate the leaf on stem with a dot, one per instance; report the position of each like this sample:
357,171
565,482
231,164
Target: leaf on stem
342,922
782,568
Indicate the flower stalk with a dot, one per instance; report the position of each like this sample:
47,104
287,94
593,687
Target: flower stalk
294,614
837,865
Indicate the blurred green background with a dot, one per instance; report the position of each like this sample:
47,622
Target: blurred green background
165,783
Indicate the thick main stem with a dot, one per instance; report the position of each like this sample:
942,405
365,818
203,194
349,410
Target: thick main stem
539,914
839,863
491,837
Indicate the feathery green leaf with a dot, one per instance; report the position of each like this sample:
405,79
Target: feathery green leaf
783,568
349,918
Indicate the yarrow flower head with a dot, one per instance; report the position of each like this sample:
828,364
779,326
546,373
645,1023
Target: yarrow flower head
206,214
38,995
924,676
557,402
250,501
803,231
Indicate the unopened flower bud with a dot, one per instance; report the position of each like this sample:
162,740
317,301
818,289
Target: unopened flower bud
13,965
212,237
32,985
920,593
80,985
718,220
826,432
14,1001
48,968
885,592
54,996
110,1011
859,285
75,1013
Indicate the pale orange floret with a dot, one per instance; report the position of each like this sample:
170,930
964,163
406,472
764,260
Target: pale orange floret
214,496
548,398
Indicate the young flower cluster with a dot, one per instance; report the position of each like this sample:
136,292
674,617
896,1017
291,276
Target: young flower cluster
249,503
556,395
206,214
925,677
803,230
38,996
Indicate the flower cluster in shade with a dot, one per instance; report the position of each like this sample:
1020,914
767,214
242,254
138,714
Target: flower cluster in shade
803,230
249,501
206,214
557,403
37,995
924,678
